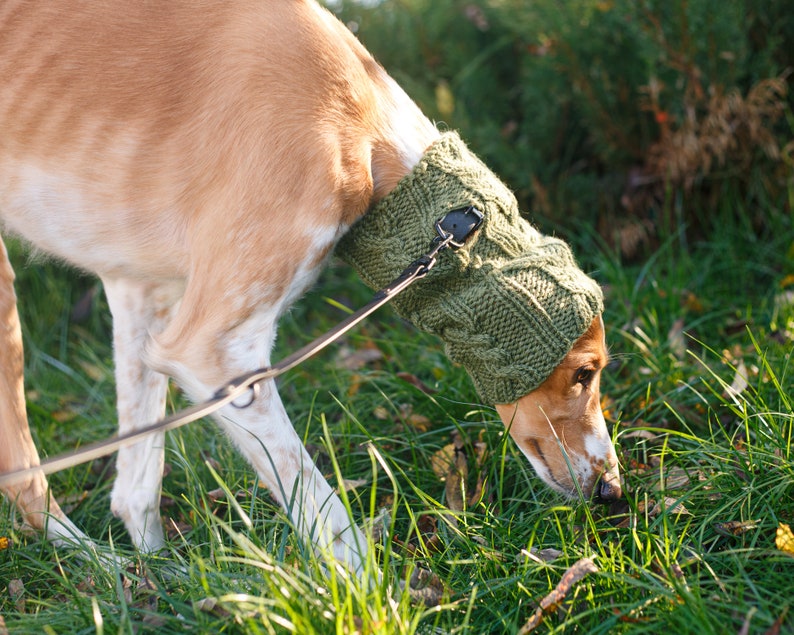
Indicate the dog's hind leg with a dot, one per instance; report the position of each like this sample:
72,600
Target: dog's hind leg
17,450
138,309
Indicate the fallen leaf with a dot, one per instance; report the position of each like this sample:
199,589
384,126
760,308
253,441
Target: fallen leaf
147,597
210,605
442,459
662,570
211,462
775,628
216,494
784,538
668,504
426,524
646,435
451,465
672,506
573,575
480,449
676,340
418,422
426,587
166,502
176,529
630,618
352,484
63,416
735,527
548,554
16,590
378,526
677,478
86,584
691,302
349,359
540,555
736,326
426,539
416,382
457,474
356,380
126,589
745,629
782,336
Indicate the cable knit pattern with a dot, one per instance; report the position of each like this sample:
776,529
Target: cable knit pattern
509,304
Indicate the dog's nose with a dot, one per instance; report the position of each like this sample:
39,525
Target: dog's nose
608,488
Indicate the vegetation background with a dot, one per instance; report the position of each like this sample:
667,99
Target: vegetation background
658,137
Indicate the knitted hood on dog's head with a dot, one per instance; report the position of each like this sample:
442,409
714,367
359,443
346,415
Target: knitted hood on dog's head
509,304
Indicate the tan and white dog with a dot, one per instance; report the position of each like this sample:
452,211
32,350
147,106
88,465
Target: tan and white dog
203,158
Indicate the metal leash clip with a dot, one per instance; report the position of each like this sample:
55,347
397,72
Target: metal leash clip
456,226
453,229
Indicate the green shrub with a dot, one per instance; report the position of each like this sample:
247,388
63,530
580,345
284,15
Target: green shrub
602,110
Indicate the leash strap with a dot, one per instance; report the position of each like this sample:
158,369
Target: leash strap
452,230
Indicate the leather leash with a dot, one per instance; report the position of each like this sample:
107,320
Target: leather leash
452,230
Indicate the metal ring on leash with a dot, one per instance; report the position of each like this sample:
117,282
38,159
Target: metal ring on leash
253,395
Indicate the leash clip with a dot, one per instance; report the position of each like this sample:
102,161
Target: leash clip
456,226
453,229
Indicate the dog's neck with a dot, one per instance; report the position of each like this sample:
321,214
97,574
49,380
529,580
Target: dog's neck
509,304
403,134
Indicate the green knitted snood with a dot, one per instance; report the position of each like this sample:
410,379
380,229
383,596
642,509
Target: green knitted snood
509,304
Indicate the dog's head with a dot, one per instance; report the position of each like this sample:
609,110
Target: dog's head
560,426
511,305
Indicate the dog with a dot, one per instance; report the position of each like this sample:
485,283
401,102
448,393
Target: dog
203,159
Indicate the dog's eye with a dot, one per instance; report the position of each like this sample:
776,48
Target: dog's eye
584,376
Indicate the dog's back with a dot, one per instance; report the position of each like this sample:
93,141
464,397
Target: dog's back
145,125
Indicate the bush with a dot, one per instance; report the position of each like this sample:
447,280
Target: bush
604,110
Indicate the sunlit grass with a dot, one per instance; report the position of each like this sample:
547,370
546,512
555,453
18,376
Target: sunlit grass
699,395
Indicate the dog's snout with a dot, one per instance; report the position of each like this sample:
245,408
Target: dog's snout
608,488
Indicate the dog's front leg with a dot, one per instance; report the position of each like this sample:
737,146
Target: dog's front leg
138,309
201,357
265,436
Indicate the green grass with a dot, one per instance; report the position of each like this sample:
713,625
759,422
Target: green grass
680,325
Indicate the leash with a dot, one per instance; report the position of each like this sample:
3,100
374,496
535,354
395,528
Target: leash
452,230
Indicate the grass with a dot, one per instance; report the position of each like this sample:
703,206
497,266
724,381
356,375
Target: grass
707,460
